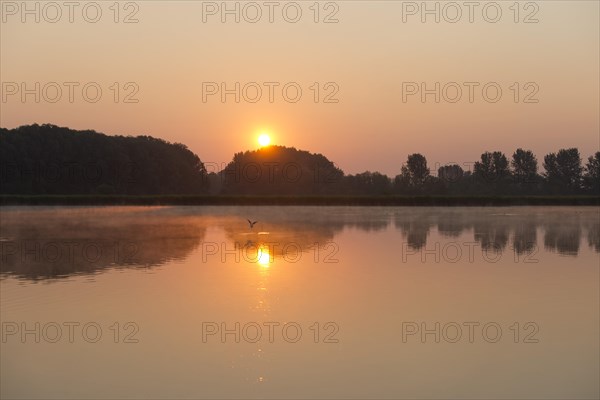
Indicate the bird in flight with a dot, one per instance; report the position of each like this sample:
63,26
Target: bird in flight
251,223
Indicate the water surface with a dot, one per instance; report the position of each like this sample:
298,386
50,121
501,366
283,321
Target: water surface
350,302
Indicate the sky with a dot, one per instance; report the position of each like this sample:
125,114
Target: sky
508,76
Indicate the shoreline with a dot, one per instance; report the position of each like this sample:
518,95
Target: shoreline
375,201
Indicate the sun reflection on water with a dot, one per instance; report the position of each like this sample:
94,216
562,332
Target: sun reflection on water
263,257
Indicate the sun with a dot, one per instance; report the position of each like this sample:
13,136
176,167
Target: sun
264,140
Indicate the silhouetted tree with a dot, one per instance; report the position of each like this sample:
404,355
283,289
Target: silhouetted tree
367,182
524,171
450,173
524,165
592,173
563,170
279,170
416,169
491,173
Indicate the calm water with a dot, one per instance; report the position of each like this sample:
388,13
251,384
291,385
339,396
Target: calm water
340,302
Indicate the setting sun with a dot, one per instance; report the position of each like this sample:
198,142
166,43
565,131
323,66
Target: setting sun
264,140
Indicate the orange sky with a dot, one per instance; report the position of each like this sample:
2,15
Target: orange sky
368,55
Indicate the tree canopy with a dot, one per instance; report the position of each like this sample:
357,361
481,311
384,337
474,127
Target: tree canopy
47,159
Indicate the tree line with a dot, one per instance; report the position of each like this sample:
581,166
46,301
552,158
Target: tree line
493,174
47,159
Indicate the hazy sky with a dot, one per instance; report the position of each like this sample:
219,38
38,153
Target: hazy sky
372,54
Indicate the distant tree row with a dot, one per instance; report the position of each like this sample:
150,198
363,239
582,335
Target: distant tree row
493,174
46,159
